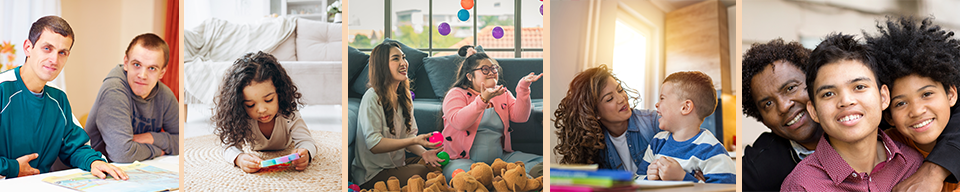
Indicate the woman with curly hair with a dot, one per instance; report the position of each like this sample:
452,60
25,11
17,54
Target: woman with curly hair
597,123
477,114
258,107
385,123
918,61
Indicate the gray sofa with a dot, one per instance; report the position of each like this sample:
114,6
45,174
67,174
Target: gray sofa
526,137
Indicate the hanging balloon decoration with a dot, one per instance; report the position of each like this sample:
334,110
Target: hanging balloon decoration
444,29
498,32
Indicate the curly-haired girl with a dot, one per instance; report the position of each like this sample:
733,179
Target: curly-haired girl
477,115
257,106
596,123
385,123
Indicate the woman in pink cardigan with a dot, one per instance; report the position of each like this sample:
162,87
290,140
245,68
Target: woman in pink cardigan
477,114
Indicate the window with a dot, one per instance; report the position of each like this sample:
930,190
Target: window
415,23
633,56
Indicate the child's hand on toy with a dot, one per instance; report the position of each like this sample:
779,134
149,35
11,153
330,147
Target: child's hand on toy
430,157
304,161
531,78
424,140
489,93
98,168
248,163
669,169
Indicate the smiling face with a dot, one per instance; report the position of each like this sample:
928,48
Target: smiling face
920,108
669,106
613,106
489,80
48,56
144,68
260,100
398,64
781,94
847,102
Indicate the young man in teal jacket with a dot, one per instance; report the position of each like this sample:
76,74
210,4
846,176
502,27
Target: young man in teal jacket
37,125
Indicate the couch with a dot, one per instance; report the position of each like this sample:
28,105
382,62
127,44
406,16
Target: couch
526,137
310,51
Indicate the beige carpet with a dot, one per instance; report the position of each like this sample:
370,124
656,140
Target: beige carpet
205,170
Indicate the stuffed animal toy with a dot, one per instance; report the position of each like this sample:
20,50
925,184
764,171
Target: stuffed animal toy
436,182
483,173
498,165
466,182
515,179
414,184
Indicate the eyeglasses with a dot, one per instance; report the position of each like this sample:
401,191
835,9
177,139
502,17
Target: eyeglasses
489,69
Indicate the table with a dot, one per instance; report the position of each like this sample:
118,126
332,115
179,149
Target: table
698,187
35,183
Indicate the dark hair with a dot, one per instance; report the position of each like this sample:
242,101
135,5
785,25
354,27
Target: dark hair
907,46
53,23
835,48
468,67
151,42
230,116
758,57
697,87
579,131
380,78
463,50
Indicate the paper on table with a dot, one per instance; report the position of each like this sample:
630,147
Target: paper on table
648,184
141,177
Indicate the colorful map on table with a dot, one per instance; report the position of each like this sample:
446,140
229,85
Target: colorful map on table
141,177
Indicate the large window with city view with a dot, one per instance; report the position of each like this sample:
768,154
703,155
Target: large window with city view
490,24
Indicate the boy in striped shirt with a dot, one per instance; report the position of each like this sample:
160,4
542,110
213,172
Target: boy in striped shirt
684,151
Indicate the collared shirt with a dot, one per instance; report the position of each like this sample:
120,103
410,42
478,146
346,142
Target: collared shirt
801,151
825,170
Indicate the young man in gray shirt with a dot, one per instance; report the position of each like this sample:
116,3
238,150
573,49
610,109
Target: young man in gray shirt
135,116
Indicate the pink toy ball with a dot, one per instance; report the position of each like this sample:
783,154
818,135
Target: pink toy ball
444,29
436,137
497,32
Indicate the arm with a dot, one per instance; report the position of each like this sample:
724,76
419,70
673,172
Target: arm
302,139
459,112
114,120
947,150
520,106
169,140
75,149
719,168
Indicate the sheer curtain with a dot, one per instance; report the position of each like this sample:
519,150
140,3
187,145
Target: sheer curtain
16,16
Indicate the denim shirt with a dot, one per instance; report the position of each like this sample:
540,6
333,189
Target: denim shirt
641,128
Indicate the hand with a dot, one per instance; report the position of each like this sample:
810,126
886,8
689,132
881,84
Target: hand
25,168
98,168
430,157
653,172
670,169
488,93
423,140
145,138
929,177
248,163
530,78
304,161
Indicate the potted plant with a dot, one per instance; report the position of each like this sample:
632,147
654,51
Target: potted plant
334,9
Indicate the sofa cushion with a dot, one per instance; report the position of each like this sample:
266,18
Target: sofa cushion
356,61
442,72
319,41
360,85
287,50
512,69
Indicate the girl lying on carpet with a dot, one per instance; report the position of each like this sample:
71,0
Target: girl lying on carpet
385,123
257,106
